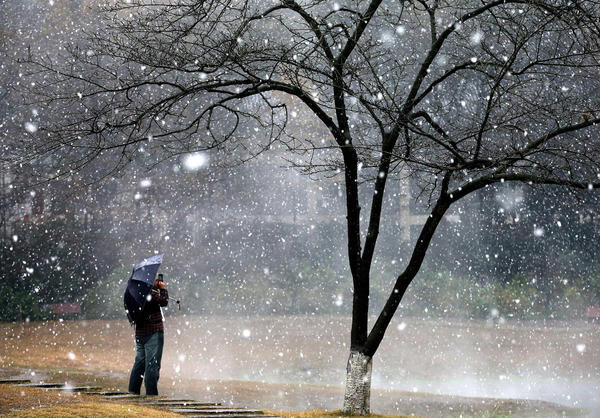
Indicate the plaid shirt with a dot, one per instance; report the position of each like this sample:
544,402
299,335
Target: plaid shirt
151,320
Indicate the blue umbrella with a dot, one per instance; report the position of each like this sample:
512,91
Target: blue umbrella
139,286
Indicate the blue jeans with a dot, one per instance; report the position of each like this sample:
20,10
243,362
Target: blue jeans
147,363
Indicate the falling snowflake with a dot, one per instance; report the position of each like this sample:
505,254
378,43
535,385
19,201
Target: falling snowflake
195,161
31,127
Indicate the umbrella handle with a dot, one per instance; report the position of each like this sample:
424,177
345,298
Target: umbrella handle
177,301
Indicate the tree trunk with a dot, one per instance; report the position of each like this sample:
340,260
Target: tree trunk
358,384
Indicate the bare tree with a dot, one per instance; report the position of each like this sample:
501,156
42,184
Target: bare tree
454,95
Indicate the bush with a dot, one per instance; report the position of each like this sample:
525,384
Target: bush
19,305
105,298
441,294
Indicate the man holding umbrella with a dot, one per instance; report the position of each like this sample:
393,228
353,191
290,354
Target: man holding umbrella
145,295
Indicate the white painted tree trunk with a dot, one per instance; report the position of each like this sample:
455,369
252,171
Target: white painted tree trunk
357,400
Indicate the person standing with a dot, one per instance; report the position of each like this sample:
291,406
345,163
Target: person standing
149,341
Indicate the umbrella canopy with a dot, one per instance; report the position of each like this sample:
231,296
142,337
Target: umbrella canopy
146,270
139,286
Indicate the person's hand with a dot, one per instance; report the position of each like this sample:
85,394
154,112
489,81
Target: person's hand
159,285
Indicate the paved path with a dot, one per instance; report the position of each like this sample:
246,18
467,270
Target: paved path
188,407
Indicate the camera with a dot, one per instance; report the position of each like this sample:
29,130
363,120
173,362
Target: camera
160,277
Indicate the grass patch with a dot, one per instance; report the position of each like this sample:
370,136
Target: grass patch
93,409
20,397
21,401
321,413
